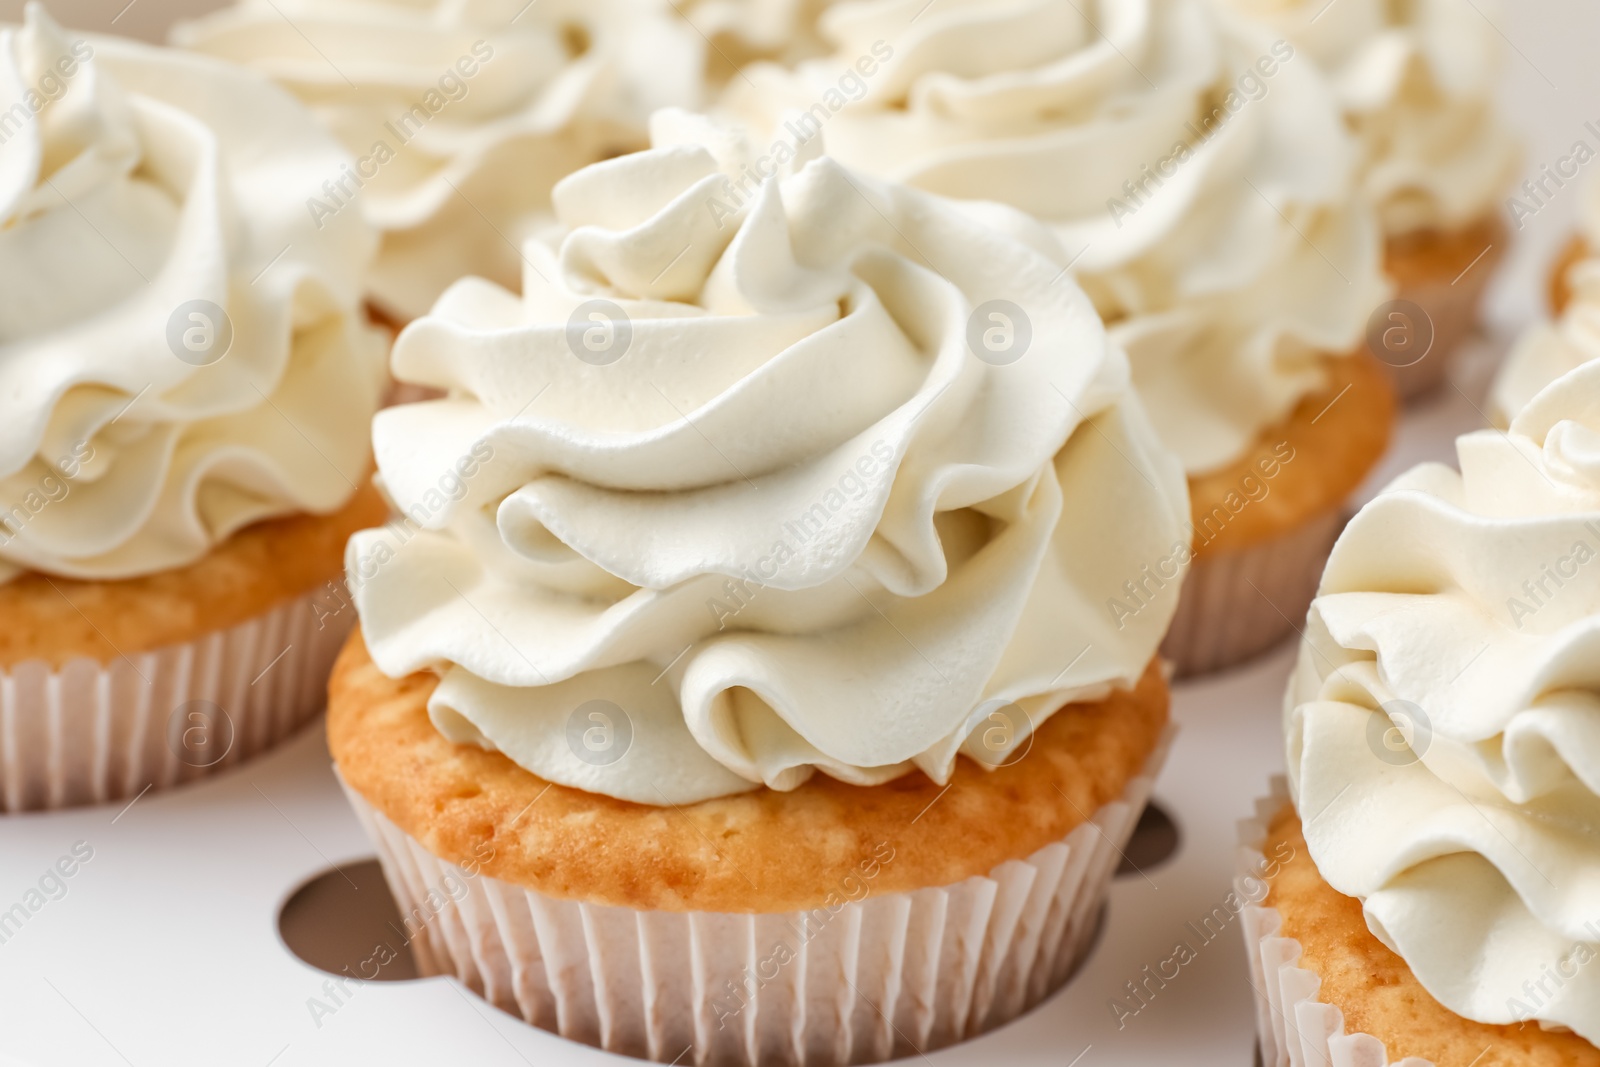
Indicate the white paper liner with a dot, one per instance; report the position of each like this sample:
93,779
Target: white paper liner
1235,605
1295,1028
90,732
883,977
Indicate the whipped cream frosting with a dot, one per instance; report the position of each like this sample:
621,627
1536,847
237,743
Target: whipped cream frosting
765,512
1194,173
1417,84
137,428
1444,719
740,32
462,114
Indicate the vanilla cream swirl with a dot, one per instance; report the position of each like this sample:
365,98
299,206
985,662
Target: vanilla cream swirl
135,182
462,114
1444,720
1417,84
1194,173
793,523
739,32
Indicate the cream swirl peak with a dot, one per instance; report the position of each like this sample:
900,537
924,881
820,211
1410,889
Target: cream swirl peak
1444,720
736,500
181,351
461,115
1417,84
1194,172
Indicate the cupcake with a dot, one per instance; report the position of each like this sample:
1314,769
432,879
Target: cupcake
1549,350
1432,876
1578,257
1417,83
185,388
738,684
461,117
1196,177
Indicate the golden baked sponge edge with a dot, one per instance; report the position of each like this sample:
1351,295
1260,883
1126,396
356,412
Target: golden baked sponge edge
62,619
758,852
1335,437
1376,990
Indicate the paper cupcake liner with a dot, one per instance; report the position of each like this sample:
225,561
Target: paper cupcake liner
1453,309
1235,605
1294,1027
90,732
873,979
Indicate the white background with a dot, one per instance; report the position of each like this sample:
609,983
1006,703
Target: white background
165,948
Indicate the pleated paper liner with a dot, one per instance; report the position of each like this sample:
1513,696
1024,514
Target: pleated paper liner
1452,304
1294,1027
864,981
1237,604
92,733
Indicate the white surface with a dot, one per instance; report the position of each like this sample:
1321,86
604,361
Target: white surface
164,949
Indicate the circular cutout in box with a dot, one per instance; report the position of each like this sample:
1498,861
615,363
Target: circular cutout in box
1154,842
345,922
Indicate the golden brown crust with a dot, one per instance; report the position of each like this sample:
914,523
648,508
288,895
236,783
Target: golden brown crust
1576,251
764,851
1333,438
1377,991
60,619
1423,256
